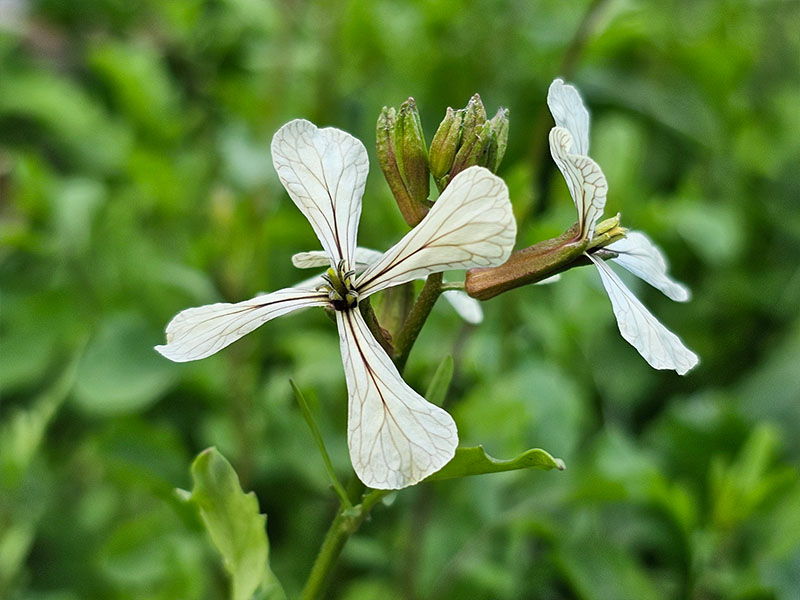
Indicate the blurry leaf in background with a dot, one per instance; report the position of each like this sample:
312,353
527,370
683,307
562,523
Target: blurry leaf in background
140,85
120,372
71,122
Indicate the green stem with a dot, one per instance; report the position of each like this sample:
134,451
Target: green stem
315,433
416,319
345,524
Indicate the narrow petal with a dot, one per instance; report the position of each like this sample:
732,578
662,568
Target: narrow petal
470,225
657,345
467,307
324,171
569,112
318,258
639,255
313,259
396,437
585,179
199,332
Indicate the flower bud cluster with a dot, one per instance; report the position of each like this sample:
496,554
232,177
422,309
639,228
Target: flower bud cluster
464,138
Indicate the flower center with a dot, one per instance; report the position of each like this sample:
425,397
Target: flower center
339,286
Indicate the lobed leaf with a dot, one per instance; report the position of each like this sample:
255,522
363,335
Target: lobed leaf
236,527
474,461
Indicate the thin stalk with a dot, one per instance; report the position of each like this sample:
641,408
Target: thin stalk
416,319
345,524
317,435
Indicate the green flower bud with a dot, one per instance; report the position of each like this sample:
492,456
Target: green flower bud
482,142
474,116
499,125
389,146
473,148
412,151
445,143
403,158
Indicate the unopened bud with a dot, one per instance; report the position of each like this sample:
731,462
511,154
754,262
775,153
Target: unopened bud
499,125
473,148
474,115
412,151
396,154
445,143
482,142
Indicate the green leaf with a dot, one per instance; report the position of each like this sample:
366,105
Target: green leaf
236,527
437,390
475,461
120,372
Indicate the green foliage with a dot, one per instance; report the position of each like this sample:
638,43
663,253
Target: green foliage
236,527
135,181
475,461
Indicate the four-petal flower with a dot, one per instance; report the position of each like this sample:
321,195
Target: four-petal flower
396,438
569,145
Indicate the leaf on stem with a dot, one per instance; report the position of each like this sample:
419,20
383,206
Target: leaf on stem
475,461
236,527
437,390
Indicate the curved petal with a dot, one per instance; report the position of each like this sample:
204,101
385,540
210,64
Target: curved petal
467,307
657,345
318,258
313,259
199,332
470,225
324,171
585,180
568,111
639,255
396,437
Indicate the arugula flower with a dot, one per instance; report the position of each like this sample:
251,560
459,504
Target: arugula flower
466,307
396,438
569,146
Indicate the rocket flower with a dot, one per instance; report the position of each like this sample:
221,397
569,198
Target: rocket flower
396,438
634,251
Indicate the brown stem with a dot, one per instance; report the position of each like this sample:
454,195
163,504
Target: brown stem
527,266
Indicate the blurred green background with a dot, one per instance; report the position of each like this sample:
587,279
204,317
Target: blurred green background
136,180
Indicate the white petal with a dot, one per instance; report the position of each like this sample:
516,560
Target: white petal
639,255
396,437
657,345
364,257
313,259
470,225
549,280
585,179
569,112
324,171
198,332
467,307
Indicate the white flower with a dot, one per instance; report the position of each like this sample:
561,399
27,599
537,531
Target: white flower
396,438
569,145
467,307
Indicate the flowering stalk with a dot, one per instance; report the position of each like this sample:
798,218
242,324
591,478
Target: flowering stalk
345,524
527,266
416,319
